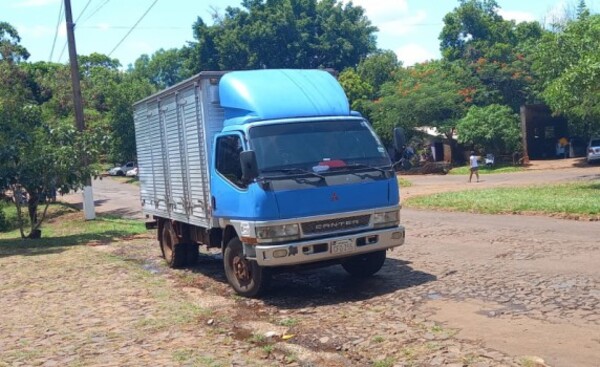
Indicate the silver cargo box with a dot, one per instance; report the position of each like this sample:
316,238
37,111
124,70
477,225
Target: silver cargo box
174,131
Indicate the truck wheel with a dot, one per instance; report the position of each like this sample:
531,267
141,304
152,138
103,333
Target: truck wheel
175,252
246,277
364,265
193,253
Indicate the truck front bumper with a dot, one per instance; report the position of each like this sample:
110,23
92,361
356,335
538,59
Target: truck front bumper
329,248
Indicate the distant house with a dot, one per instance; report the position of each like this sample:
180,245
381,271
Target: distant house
541,131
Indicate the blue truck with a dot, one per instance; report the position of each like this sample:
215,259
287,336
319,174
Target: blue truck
270,166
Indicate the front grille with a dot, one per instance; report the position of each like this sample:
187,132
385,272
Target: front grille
335,225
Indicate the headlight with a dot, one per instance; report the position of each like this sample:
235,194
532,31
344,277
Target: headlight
385,219
278,232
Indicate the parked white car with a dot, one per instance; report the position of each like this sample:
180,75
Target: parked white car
593,150
122,170
132,172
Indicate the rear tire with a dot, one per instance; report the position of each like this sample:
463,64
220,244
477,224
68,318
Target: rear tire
245,276
364,265
175,252
193,253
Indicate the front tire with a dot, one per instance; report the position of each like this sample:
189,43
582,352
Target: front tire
364,265
246,277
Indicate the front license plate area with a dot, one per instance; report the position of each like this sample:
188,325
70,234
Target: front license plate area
342,246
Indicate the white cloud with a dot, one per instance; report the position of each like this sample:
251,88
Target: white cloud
402,26
34,3
517,16
103,26
557,13
392,17
413,53
383,10
37,31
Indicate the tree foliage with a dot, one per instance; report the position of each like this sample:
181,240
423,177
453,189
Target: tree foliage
567,64
307,34
494,128
37,156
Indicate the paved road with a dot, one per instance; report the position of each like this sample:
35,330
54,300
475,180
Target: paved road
112,196
489,289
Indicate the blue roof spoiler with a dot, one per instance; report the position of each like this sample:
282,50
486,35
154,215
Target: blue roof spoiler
279,93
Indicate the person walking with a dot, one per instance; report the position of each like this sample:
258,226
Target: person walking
474,166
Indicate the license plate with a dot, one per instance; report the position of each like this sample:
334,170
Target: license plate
342,246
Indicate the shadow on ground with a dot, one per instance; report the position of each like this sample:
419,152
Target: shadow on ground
53,245
324,286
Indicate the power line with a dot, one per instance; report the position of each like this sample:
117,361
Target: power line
133,27
96,10
127,27
60,15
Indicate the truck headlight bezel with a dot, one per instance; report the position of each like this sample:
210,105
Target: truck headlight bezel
386,219
278,232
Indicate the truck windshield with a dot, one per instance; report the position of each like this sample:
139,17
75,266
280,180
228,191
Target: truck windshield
319,147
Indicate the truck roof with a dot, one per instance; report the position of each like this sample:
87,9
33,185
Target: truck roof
278,93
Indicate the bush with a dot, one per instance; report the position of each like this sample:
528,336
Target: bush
3,222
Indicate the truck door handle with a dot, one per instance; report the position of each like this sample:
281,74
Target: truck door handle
213,202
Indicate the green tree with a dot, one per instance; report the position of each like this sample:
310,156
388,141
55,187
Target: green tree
379,68
308,34
496,50
495,128
435,94
122,133
357,89
10,49
164,68
568,65
36,157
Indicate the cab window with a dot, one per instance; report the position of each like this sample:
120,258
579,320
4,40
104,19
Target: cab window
228,159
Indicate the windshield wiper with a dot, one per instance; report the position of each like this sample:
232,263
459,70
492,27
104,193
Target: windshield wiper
291,171
360,166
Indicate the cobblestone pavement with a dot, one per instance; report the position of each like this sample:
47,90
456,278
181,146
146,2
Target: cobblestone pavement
466,290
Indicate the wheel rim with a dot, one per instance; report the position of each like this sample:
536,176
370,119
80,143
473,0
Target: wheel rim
167,246
241,269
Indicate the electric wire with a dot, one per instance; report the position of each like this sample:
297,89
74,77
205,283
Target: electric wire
96,10
60,15
133,27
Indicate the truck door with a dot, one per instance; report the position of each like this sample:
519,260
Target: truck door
227,187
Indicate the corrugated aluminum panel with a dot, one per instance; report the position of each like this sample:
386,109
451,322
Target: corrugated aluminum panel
159,202
174,157
192,127
144,156
175,130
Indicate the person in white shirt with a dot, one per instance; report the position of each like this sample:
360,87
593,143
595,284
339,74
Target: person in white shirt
474,166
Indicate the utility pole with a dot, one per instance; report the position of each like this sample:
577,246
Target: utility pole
88,196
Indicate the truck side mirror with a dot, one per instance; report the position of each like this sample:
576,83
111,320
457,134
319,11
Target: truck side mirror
249,165
399,139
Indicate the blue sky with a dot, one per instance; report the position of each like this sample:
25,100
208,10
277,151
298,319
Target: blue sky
408,27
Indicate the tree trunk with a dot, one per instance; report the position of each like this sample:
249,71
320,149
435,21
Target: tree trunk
32,205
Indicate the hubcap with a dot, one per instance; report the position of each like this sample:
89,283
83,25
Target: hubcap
168,247
241,269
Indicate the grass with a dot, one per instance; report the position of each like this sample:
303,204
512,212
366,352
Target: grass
402,182
289,322
54,210
67,227
127,180
387,362
378,339
483,170
580,198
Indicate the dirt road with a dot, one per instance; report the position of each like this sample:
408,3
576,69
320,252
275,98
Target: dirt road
466,290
